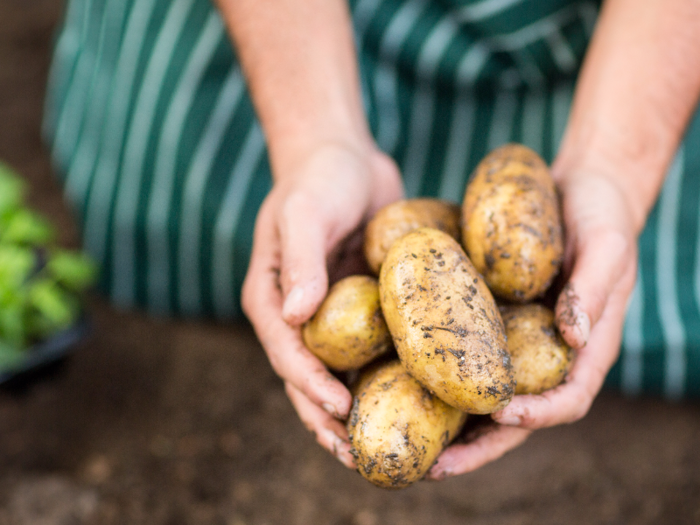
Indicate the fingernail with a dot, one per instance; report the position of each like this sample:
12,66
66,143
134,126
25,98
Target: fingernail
341,453
511,421
437,474
348,461
335,441
330,409
292,302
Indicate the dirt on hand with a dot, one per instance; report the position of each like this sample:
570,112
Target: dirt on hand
155,421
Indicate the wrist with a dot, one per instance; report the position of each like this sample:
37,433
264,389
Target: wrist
340,127
635,163
637,89
292,143
300,64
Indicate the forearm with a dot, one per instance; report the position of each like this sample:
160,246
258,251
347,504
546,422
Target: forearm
638,88
300,63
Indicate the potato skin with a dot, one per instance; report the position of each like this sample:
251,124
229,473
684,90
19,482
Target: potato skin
511,226
397,428
541,359
397,219
348,330
444,322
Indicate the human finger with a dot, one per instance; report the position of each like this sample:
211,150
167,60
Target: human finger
571,400
303,244
490,445
601,259
291,360
330,433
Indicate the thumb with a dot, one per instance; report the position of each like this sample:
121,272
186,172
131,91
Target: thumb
602,256
303,272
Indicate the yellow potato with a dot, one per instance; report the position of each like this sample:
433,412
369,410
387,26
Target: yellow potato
511,223
397,219
397,428
444,322
541,359
348,330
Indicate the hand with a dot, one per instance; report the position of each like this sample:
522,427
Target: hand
632,103
311,221
600,267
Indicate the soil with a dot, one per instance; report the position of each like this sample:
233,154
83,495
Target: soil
155,421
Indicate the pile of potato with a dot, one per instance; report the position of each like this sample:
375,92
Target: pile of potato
459,351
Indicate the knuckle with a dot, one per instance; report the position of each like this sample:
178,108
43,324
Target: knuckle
247,299
297,401
295,205
578,414
580,408
530,421
307,422
526,417
597,300
603,237
309,425
616,241
276,364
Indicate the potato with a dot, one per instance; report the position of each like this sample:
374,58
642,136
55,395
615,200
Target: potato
397,219
541,359
511,226
397,428
444,322
348,330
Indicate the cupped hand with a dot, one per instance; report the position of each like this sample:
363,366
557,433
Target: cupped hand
600,265
311,221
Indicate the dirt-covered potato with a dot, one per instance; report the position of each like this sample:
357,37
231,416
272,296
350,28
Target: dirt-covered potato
348,330
397,219
511,225
541,359
445,323
397,428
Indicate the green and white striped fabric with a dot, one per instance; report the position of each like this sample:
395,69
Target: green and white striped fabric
154,135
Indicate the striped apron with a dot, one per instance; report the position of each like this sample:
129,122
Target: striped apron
154,136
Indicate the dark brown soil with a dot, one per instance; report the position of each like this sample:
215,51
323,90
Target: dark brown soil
157,421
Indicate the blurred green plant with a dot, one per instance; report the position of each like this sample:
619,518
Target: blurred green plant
41,285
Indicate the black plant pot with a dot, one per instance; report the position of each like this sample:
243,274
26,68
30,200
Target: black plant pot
44,355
